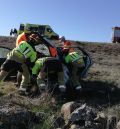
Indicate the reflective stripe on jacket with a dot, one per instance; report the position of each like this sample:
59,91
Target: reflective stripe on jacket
27,51
74,57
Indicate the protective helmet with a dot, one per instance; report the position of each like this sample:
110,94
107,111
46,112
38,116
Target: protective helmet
35,37
67,45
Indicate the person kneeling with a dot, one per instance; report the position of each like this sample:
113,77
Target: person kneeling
49,68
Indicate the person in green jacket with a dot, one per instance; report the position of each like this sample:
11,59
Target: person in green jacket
75,63
44,67
21,58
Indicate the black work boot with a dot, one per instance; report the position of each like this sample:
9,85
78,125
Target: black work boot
28,90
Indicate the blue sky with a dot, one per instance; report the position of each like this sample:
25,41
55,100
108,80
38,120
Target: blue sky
82,20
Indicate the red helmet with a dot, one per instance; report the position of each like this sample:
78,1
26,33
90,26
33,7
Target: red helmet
67,45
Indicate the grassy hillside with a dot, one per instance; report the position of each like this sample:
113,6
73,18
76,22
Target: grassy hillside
106,64
102,86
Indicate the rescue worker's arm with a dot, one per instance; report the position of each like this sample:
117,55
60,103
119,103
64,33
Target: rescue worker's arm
68,59
33,56
35,69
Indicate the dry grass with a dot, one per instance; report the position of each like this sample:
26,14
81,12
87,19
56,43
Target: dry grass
7,87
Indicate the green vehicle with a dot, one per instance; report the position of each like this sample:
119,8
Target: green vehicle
44,30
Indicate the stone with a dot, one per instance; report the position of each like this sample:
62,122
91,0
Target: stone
111,122
74,126
102,119
78,114
16,117
66,110
118,125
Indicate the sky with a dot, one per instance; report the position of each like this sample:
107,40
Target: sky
80,20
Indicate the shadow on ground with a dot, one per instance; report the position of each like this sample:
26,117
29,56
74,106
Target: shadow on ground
96,93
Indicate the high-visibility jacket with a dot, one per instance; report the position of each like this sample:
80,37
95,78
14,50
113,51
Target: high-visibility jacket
25,51
38,65
53,51
20,38
66,44
23,37
74,57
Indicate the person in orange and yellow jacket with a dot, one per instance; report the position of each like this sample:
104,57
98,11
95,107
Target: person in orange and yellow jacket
22,37
19,58
66,43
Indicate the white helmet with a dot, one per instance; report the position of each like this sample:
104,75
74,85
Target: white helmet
62,38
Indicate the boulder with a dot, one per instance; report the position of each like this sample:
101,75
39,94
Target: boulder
16,117
118,125
74,126
67,109
111,121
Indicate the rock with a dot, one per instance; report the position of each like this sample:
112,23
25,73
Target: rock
84,117
92,125
83,113
118,125
14,114
78,114
66,110
15,117
101,118
111,122
74,126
